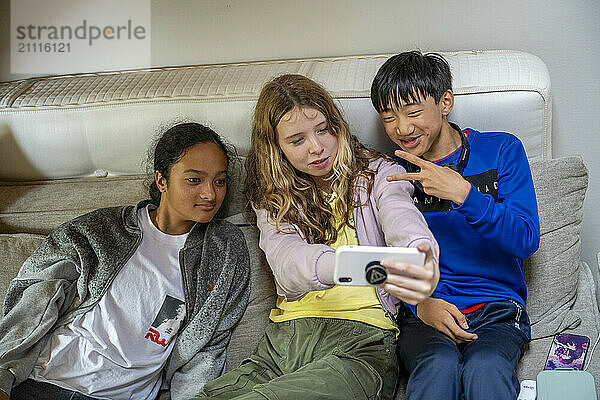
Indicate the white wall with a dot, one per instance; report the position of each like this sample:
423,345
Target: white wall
565,34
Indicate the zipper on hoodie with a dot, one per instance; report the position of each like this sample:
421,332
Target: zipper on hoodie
186,295
387,313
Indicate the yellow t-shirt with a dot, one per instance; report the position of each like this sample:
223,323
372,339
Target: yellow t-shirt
357,303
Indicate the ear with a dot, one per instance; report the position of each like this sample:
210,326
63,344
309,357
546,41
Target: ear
161,181
446,102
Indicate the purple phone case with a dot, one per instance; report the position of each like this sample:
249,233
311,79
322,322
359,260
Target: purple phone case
567,351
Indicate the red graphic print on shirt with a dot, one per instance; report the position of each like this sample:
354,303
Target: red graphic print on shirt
167,322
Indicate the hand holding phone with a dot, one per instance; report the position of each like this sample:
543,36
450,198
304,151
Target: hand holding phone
412,283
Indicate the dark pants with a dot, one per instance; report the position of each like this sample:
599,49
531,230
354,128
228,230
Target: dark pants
481,369
33,390
313,358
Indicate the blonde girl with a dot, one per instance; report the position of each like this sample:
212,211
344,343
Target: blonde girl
314,187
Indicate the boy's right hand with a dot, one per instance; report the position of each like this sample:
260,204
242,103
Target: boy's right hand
446,318
438,181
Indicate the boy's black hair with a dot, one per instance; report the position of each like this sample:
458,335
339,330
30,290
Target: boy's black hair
410,77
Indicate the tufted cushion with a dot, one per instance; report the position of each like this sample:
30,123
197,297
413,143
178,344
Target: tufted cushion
107,119
552,272
14,250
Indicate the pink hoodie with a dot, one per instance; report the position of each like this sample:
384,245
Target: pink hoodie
388,218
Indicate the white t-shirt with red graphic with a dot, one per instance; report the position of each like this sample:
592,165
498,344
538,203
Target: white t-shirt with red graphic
118,348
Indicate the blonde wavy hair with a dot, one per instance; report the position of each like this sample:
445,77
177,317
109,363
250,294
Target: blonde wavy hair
291,196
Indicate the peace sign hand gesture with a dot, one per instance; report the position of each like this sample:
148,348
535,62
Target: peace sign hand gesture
438,181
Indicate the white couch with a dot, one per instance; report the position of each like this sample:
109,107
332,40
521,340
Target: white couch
70,144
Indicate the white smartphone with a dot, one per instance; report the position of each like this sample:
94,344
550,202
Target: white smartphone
361,265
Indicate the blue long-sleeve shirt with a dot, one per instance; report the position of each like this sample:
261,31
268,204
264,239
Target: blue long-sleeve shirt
484,241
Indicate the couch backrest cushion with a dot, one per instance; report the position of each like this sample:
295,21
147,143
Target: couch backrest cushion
250,330
39,207
552,272
96,124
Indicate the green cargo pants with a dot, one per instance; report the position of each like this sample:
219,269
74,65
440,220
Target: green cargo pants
313,358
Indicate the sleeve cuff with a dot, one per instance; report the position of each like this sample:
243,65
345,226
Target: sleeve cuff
7,379
324,267
412,308
474,206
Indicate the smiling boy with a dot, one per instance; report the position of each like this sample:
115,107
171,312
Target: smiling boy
476,193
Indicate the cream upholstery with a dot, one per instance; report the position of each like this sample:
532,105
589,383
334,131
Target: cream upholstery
107,119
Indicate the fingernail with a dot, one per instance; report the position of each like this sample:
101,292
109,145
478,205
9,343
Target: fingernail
465,325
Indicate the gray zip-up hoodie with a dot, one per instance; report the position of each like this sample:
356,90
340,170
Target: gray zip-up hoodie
72,269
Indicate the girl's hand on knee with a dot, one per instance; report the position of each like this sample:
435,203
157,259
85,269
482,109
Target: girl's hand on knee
409,282
446,318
